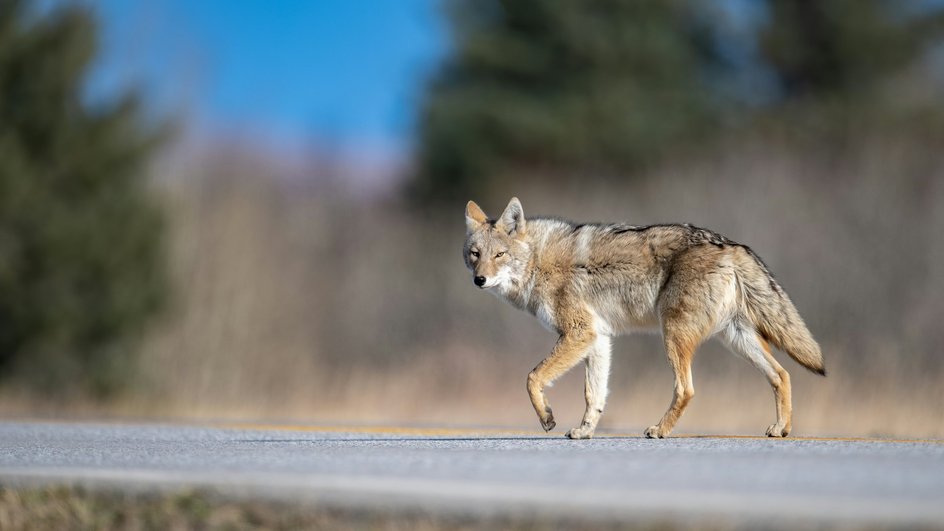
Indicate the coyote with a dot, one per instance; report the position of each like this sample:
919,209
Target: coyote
592,281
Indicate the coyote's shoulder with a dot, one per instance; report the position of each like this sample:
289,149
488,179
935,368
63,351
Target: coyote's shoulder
591,281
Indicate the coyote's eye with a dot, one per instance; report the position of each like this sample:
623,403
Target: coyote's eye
499,255
474,253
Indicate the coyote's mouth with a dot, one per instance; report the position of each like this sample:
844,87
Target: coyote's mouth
491,283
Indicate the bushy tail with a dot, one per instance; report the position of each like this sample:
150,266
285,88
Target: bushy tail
776,318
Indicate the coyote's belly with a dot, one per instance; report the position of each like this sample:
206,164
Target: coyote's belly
621,294
625,311
619,309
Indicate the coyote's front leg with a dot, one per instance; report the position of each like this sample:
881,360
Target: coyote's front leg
595,388
572,346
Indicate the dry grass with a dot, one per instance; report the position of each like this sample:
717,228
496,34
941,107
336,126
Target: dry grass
64,508
71,508
310,304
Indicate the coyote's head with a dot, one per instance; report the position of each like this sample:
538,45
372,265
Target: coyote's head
495,250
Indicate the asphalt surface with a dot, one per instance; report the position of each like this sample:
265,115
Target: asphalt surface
622,477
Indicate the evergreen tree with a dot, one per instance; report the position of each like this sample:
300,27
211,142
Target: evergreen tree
81,262
568,84
825,49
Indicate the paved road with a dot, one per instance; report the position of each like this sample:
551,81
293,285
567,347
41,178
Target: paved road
776,481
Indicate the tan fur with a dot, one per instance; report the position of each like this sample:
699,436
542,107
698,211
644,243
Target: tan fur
782,394
589,282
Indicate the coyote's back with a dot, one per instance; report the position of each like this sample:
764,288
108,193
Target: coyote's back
591,281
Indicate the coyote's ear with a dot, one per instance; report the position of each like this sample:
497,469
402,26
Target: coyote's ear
474,217
512,219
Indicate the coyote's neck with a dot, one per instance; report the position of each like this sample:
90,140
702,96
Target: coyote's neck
520,290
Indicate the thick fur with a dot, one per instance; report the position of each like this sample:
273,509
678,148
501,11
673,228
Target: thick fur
591,281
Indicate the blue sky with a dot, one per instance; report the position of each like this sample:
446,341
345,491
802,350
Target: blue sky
346,73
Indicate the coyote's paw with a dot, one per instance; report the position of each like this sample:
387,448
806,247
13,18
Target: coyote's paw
548,422
654,432
778,430
580,432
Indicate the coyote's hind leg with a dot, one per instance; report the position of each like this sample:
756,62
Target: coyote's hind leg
745,341
680,348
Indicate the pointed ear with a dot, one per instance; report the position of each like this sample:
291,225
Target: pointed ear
474,217
512,219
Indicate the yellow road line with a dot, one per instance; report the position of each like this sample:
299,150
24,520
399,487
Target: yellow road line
813,438
470,432
392,430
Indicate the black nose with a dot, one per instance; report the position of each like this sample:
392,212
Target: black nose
479,281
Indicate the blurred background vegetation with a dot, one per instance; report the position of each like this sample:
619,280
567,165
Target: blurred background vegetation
81,263
214,275
606,87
